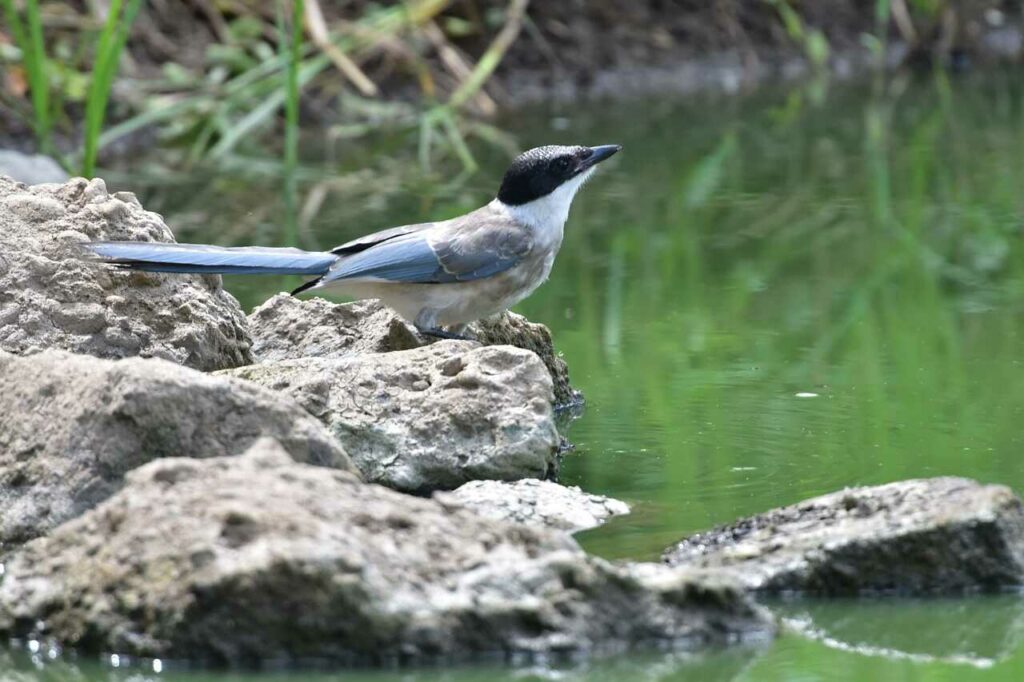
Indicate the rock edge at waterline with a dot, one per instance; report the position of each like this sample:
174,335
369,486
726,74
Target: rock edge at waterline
188,561
936,535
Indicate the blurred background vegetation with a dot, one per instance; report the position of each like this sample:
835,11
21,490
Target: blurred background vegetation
220,82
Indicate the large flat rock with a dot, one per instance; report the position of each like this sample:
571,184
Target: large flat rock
428,418
50,297
238,559
918,536
71,426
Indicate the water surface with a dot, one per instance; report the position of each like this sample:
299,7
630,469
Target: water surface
763,298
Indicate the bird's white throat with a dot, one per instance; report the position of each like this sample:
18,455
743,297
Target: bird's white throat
547,215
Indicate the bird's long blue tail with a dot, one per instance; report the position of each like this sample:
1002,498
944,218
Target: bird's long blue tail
213,260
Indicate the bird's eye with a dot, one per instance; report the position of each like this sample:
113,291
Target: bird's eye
562,163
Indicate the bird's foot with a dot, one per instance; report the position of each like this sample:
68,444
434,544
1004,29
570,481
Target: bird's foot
439,333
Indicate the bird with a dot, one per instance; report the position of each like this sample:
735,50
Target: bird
439,276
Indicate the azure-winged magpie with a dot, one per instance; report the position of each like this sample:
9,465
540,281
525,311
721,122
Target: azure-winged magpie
440,274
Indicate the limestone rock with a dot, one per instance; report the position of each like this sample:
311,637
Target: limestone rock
239,559
428,418
50,297
515,330
71,426
534,502
917,536
286,328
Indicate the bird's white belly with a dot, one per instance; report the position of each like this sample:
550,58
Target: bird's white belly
457,303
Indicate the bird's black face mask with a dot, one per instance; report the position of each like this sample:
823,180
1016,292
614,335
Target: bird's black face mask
540,171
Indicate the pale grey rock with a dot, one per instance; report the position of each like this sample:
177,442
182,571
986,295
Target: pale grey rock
51,297
254,558
428,418
287,328
71,426
515,330
534,502
918,536
32,169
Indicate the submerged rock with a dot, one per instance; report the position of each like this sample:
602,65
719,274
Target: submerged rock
287,328
71,426
917,536
255,557
428,418
50,297
534,502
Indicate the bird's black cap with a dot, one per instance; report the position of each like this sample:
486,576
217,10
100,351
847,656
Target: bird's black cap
540,171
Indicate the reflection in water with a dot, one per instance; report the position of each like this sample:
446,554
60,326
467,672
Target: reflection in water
979,631
716,666
737,256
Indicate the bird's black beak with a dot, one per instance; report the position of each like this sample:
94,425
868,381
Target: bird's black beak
599,154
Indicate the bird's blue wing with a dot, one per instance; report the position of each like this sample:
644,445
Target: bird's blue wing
468,249
406,259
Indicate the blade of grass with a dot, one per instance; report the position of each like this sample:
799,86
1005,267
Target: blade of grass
493,56
108,57
29,40
291,117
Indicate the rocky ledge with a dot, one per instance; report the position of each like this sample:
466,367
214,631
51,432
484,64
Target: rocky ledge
428,418
919,536
233,560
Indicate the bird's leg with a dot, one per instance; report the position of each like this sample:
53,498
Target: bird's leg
426,325
439,333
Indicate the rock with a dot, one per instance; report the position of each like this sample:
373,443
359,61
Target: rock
50,297
534,502
243,559
286,328
71,426
515,330
1005,43
32,169
918,536
428,418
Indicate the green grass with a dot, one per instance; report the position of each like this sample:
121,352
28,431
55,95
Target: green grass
292,45
28,37
108,56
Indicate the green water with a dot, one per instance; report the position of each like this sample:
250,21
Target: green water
762,298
